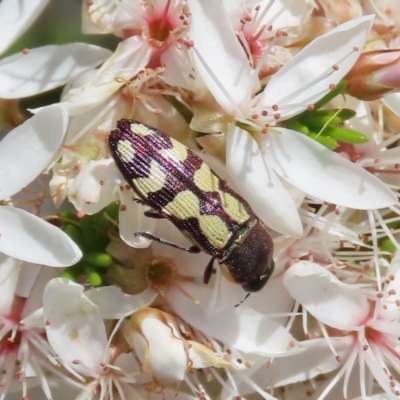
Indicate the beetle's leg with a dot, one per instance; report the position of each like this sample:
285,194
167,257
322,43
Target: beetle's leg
242,301
140,201
208,271
153,214
147,235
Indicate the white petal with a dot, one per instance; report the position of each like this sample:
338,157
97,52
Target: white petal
393,102
30,238
27,150
16,17
273,299
283,14
34,302
259,185
75,330
306,78
241,328
114,304
45,68
27,277
187,264
91,191
130,57
317,359
332,302
9,271
220,59
132,220
325,174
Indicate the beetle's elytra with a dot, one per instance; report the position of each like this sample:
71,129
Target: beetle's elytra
179,186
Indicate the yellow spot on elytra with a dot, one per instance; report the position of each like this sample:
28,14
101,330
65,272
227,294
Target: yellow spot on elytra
126,150
207,181
233,207
153,183
177,153
141,130
187,205
215,230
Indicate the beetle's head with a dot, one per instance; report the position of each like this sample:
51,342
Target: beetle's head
249,262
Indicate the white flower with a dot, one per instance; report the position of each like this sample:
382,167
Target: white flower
296,158
370,319
26,357
257,25
23,235
76,331
158,27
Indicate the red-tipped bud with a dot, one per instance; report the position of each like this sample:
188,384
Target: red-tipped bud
375,74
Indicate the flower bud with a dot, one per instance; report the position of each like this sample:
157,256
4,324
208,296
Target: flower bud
164,354
375,74
154,337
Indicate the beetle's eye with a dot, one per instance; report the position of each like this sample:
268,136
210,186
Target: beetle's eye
257,284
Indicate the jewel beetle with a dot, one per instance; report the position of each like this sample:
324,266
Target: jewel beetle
179,186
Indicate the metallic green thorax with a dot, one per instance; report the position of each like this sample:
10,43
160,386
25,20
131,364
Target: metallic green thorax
179,186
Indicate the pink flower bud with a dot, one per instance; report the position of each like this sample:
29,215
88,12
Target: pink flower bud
375,74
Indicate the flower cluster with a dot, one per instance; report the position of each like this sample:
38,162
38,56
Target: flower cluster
295,105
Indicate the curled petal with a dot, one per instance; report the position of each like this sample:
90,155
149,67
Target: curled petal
30,238
259,184
325,174
28,149
203,357
45,68
330,301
